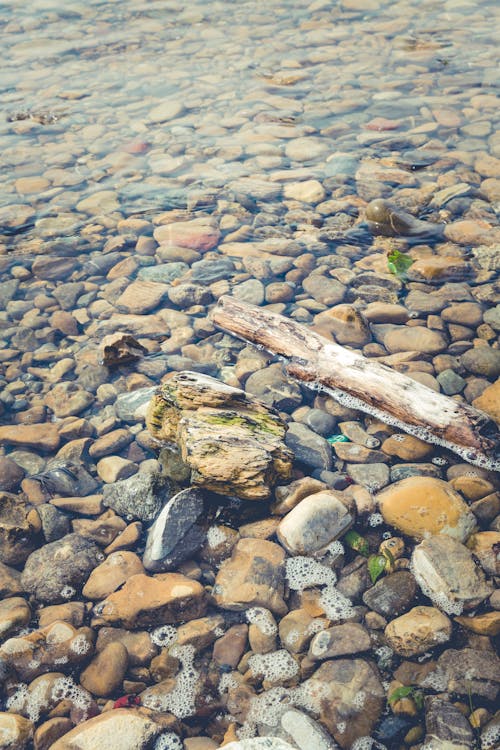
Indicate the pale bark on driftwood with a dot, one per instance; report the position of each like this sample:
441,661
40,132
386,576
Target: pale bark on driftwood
365,384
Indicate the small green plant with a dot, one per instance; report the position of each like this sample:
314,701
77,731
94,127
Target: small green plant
398,263
376,566
356,542
408,691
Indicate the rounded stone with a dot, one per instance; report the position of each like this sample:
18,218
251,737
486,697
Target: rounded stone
418,631
315,522
422,506
106,671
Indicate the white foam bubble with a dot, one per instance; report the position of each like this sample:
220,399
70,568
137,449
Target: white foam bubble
168,741
263,619
164,636
277,666
68,592
80,644
335,605
181,700
375,519
304,572
216,535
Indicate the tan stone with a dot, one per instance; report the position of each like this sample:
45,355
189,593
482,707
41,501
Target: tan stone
417,631
114,468
153,600
199,633
10,581
487,624
126,539
111,574
290,495
489,401
121,729
314,523
142,296
50,731
14,614
484,546
44,437
297,628
106,671
253,576
406,447
140,648
344,324
422,506
72,612
15,731
101,530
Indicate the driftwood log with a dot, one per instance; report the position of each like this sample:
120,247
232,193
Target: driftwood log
365,384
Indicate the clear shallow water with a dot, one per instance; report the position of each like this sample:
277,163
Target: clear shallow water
81,87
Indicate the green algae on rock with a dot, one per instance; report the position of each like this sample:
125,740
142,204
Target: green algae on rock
232,444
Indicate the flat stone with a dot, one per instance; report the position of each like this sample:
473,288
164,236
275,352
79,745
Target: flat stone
121,729
415,338
113,469
418,631
68,399
10,581
372,476
229,648
309,191
146,601
197,234
406,447
314,523
129,406
302,731
100,202
487,624
140,648
340,640
271,386
254,576
446,572
422,506
44,437
482,361
468,671
489,401
344,324
142,296
392,594
446,725
167,110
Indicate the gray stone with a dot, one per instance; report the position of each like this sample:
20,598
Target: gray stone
446,726
323,289
57,571
140,497
175,535
392,595
314,523
492,317
467,672
66,478
127,404
300,729
309,447
340,640
259,743
451,382
445,571
187,295
403,471
271,386
483,361
163,272
371,476
55,523
8,291
207,271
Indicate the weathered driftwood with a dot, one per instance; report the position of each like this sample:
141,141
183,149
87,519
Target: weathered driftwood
365,384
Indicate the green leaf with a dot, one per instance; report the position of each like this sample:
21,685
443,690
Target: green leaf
401,692
356,542
398,263
376,566
408,691
389,557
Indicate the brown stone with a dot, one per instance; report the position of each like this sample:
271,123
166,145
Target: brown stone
106,671
44,437
111,574
153,600
489,401
229,648
253,576
418,631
